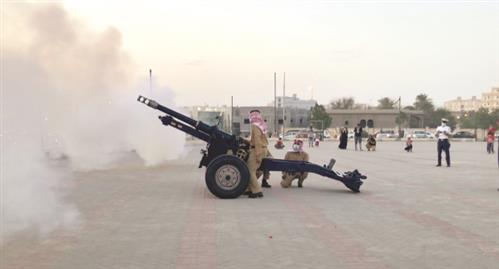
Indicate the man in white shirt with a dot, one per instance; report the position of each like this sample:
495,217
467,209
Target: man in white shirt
443,132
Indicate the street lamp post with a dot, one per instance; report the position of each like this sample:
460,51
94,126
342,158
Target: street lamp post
400,118
474,124
275,106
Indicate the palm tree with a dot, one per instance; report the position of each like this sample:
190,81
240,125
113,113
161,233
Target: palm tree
402,118
424,103
343,103
386,103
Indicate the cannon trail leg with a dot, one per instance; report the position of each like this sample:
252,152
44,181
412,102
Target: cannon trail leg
352,179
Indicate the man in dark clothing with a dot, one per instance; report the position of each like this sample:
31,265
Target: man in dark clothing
358,136
311,137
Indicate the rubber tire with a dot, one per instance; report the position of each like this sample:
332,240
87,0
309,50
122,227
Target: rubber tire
219,162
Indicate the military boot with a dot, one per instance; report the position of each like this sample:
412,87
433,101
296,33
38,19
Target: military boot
265,184
256,195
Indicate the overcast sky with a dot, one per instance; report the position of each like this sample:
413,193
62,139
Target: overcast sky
207,51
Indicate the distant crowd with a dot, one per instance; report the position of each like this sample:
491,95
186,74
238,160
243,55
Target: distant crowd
258,150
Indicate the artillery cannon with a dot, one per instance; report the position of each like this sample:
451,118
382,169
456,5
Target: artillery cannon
227,175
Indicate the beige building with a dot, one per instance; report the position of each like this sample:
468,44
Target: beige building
294,118
293,102
460,104
374,118
490,100
211,115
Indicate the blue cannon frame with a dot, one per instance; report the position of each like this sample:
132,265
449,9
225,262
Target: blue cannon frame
220,143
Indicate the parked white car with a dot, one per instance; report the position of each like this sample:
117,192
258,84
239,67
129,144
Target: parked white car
290,135
386,134
422,134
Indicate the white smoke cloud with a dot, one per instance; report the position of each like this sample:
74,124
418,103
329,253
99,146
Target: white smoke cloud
67,91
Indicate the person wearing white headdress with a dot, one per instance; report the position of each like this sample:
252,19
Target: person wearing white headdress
295,154
443,132
258,151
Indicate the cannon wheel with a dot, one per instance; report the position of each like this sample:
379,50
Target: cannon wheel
227,176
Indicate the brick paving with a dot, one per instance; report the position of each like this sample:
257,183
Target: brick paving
409,214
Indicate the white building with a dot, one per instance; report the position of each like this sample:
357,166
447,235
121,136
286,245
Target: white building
293,101
211,115
460,104
490,100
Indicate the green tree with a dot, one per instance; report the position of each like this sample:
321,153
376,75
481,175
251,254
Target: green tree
386,103
343,103
318,114
412,122
437,115
494,115
402,118
425,104
480,119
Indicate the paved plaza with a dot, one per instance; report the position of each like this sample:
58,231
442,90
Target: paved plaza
409,214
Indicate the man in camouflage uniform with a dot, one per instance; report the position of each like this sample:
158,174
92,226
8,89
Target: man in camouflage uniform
258,151
296,154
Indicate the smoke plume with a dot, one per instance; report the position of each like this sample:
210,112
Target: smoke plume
67,92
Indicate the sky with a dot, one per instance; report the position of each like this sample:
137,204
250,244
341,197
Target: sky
208,51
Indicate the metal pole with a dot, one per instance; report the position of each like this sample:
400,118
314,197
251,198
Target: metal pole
400,112
275,105
283,107
150,81
474,123
231,114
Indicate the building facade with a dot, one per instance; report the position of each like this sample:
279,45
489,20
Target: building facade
374,118
289,118
459,104
211,115
298,118
490,100
293,102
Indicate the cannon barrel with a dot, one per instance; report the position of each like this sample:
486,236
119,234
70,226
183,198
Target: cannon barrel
211,131
173,113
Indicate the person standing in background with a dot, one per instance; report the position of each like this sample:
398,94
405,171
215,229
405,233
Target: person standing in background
491,132
357,132
343,138
408,144
490,143
443,132
310,136
371,143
